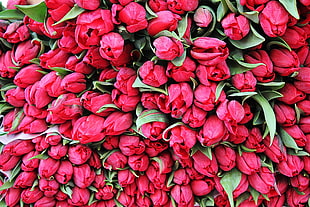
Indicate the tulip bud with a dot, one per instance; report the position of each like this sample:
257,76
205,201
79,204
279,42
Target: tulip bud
111,45
117,123
300,181
183,195
93,101
168,48
159,198
115,161
23,79
46,202
244,81
153,75
30,195
274,19
235,27
291,94
64,173
287,67
202,17
83,175
88,129
213,131
80,196
202,187
58,151
285,114
138,162
248,163
226,157
48,167
25,179
204,165
276,152
74,82
263,181
12,196
49,187
8,161
15,97
291,167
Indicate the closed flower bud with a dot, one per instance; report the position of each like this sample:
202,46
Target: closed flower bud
79,154
291,94
226,157
248,163
48,167
46,202
74,82
275,151
26,51
244,82
80,196
263,181
183,195
12,196
274,19
58,151
168,48
111,45
30,195
117,123
202,17
83,175
23,79
292,166
204,165
49,187
138,162
235,27
153,75
64,173
213,131
285,62
88,129
209,51
165,20
116,161
285,114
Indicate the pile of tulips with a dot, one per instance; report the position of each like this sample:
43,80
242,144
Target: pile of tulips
155,103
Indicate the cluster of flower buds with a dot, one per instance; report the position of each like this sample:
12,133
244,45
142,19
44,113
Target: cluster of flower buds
155,103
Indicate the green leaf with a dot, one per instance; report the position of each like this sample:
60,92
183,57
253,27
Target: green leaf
73,13
269,115
204,149
287,140
243,94
278,41
36,12
167,33
270,94
5,107
142,86
61,71
39,156
182,25
207,201
66,190
221,11
219,89
170,180
11,14
242,197
249,65
255,194
230,182
150,13
6,43
150,116
15,171
18,118
7,185
231,7
251,40
251,15
106,106
178,61
165,132
291,7
272,85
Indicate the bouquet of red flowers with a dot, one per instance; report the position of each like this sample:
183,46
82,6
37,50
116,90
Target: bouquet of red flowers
155,103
